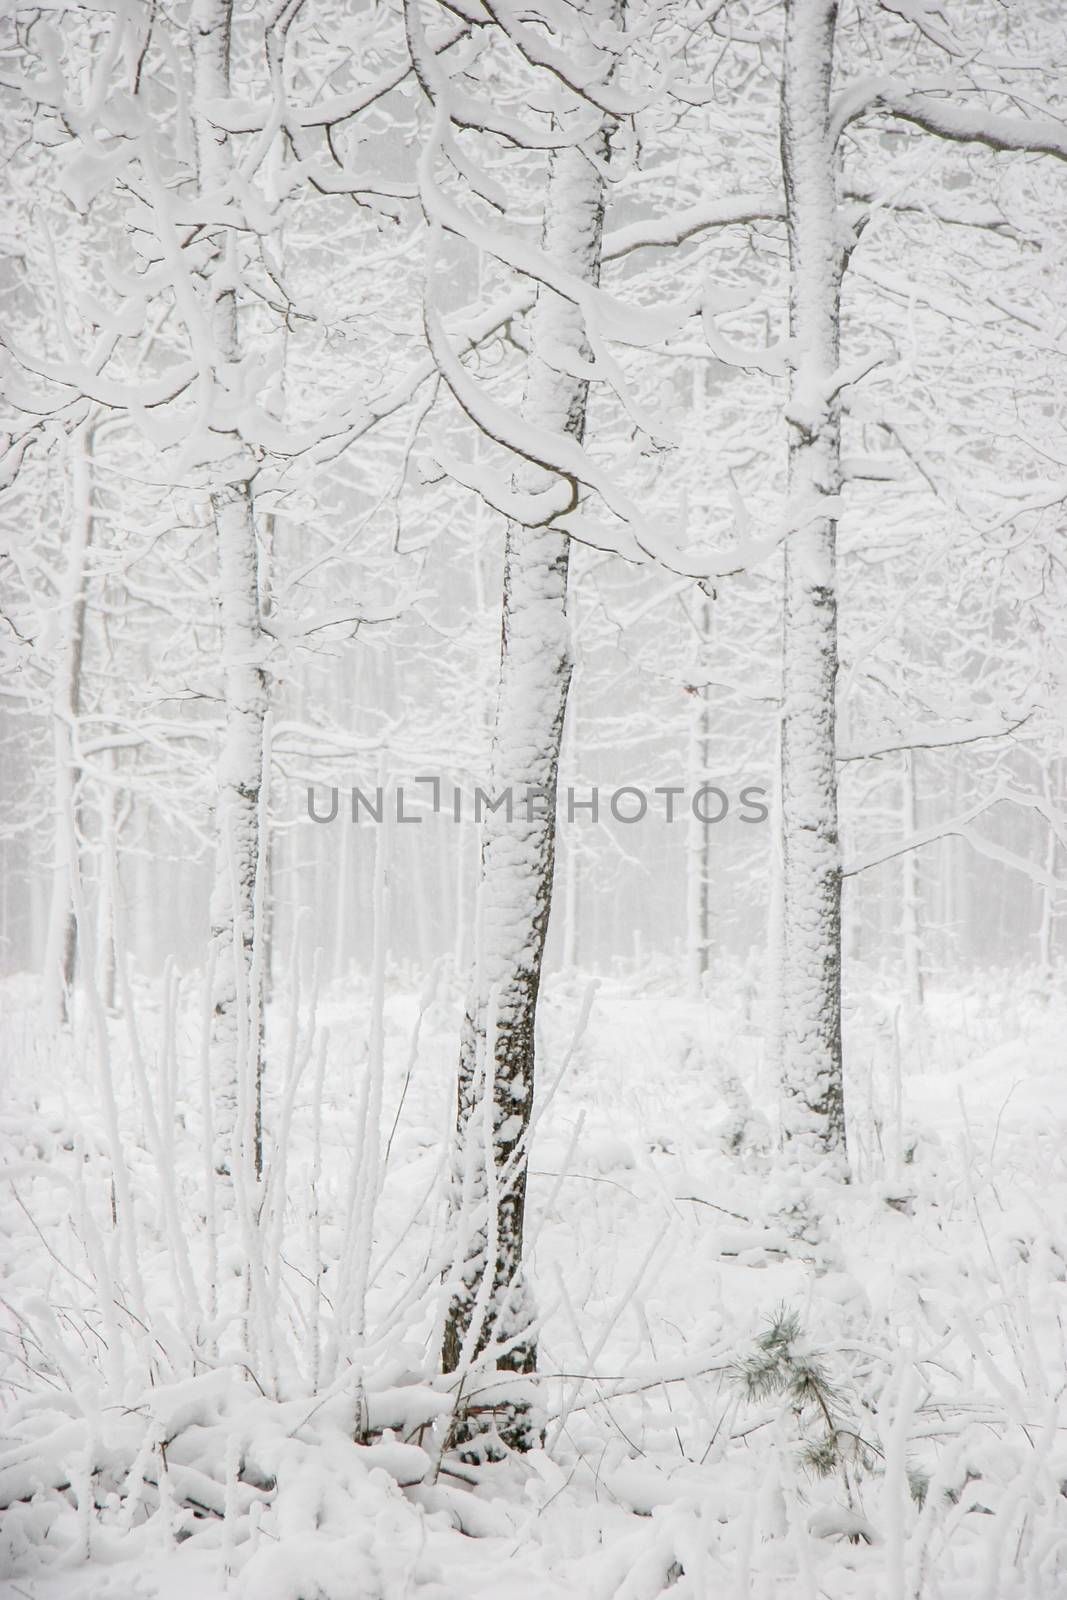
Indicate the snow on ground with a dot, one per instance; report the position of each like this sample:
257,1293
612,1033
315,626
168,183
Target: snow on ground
919,1357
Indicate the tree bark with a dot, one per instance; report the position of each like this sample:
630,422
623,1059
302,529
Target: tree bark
237,1028
698,840
61,949
911,889
491,1304
813,1117
1046,933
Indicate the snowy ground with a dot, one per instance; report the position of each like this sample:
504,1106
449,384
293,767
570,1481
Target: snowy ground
924,1330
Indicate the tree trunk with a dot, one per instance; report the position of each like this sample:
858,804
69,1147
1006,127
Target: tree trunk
236,1030
774,955
572,853
813,1119
698,839
496,1064
61,949
911,921
237,1026
1051,787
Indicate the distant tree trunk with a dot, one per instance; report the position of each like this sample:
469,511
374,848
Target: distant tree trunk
345,866
911,916
569,956
1052,786
571,855
105,907
61,950
774,960
813,1115
515,886
459,925
236,1031
698,841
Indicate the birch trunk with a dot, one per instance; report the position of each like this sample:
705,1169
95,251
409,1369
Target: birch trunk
773,1005
572,853
911,891
236,1028
491,1303
61,946
698,840
1046,927
109,871
813,1120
